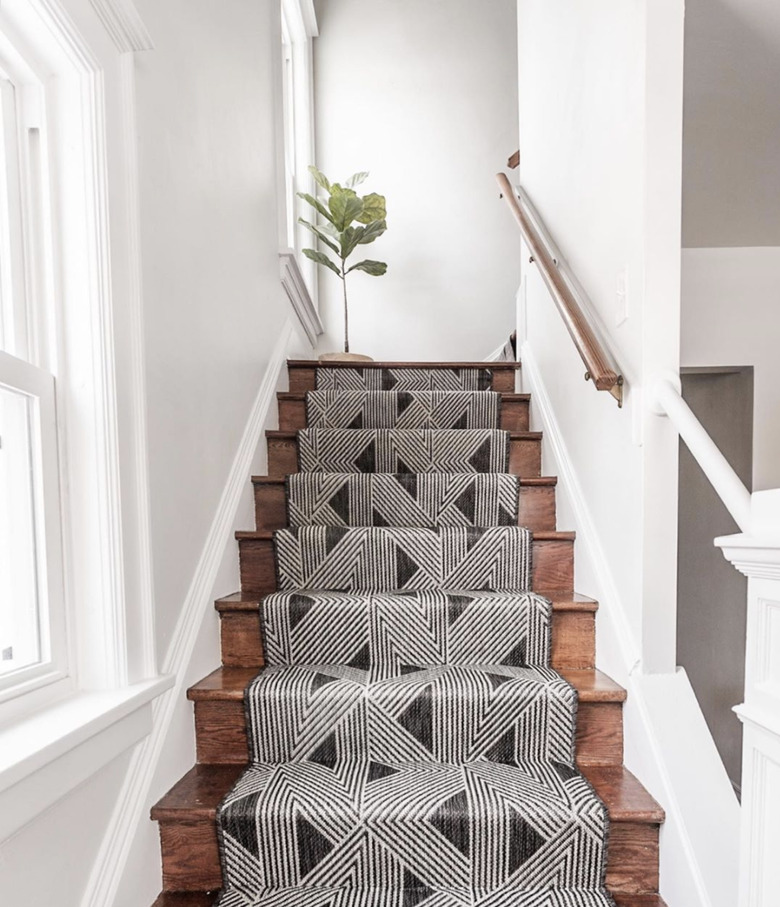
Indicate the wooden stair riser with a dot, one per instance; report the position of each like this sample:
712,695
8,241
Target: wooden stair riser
302,374
525,455
514,415
220,731
573,639
553,565
190,856
536,506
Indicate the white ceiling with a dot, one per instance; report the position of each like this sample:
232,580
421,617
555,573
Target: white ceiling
731,169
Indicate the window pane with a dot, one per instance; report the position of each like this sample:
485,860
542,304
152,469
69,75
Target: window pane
20,633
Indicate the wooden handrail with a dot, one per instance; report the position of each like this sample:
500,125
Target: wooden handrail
597,361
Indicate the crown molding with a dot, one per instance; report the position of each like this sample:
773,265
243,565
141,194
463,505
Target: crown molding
756,558
124,24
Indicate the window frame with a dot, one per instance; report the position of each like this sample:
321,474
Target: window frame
298,29
38,386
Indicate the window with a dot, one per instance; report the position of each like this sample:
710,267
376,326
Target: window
32,603
299,26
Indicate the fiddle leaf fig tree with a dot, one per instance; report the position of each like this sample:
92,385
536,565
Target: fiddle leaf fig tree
347,221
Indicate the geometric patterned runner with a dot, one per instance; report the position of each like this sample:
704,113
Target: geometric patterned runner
403,450
403,379
383,560
408,499
410,744
392,631
402,409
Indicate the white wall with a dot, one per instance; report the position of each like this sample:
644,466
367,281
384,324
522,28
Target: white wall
48,862
215,316
423,96
730,305
213,302
601,158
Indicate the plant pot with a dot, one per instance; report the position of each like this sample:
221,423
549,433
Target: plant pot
344,357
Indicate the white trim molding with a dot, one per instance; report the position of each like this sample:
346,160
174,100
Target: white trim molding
124,24
757,556
299,296
50,754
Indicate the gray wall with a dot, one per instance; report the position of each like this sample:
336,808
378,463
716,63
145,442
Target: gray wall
712,595
731,159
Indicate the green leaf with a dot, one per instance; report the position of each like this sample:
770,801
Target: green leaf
318,233
350,239
373,231
357,178
344,208
374,208
374,268
322,259
320,178
318,206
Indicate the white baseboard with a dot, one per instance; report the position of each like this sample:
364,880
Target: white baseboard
668,742
129,811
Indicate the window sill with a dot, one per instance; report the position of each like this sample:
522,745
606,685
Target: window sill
49,754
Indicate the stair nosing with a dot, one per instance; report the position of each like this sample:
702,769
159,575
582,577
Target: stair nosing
436,364
651,814
528,481
562,600
505,395
199,692
539,535
291,435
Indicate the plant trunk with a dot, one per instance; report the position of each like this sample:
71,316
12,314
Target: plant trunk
346,315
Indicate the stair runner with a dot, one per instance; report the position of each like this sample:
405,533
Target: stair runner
409,743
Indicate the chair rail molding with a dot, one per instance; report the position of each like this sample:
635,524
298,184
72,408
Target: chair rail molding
299,296
124,24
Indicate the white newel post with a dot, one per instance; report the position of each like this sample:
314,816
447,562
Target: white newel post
757,556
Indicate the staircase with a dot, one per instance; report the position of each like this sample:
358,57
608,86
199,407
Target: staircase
482,429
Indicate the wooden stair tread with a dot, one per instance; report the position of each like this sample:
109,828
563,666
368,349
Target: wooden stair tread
561,601
186,899
195,797
229,683
490,366
623,795
541,536
513,435
638,900
531,482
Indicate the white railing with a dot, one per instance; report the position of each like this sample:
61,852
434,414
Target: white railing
755,552
667,400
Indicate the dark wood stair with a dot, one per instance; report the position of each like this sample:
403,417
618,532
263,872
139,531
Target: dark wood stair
187,817
553,561
573,630
525,453
186,814
220,720
514,411
536,508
